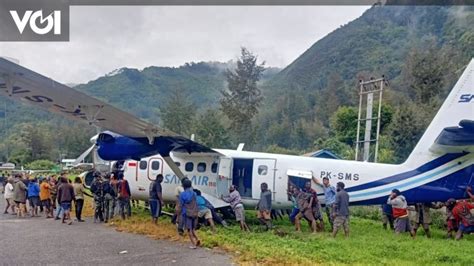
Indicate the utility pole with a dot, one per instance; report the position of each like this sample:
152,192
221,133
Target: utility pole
371,88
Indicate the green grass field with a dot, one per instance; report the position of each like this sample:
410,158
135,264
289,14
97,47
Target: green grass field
369,243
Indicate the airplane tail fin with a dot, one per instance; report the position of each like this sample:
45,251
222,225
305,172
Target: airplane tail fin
452,128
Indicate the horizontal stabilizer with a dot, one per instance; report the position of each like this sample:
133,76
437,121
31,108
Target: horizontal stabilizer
455,139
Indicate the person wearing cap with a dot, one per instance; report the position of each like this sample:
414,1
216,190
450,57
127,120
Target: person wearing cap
189,211
341,210
400,212
235,202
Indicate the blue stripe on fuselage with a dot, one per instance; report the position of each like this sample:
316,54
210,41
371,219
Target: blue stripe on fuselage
450,186
420,170
405,184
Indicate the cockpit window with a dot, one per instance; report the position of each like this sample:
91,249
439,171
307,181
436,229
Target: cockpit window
143,165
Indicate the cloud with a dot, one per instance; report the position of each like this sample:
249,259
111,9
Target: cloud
106,38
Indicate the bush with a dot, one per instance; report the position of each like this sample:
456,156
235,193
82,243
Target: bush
40,165
367,212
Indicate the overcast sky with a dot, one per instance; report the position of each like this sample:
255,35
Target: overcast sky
106,38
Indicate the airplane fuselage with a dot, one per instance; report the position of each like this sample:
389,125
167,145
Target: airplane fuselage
441,178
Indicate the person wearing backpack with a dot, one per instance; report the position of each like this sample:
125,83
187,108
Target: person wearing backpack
189,212
463,215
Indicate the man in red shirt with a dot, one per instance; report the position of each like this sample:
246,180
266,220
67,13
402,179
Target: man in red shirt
462,214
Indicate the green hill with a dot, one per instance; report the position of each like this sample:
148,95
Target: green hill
301,99
378,43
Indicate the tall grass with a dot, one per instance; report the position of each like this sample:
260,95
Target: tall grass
368,243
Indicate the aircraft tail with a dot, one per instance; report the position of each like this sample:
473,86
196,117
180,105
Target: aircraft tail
452,129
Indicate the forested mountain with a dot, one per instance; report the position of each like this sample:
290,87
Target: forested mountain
406,44
309,104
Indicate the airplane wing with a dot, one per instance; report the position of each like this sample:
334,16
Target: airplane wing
32,88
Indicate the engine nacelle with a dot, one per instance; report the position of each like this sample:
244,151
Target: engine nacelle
114,147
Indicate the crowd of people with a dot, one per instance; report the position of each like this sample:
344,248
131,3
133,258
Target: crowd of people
53,196
306,205
459,218
111,196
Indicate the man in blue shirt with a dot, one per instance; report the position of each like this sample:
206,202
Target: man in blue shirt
329,197
189,211
204,211
33,196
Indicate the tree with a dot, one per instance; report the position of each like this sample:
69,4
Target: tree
241,101
406,130
178,114
210,131
425,72
344,124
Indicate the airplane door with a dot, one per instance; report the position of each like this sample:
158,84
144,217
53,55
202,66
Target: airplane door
142,171
155,167
263,171
224,176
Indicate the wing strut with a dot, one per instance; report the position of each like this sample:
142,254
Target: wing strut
173,167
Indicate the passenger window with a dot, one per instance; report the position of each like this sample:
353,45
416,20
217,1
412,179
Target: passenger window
155,165
201,167
142,165
189,167
214,168
262,170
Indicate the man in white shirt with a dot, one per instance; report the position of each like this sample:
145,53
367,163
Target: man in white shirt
9,196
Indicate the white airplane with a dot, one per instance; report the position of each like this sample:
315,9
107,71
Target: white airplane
440,167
